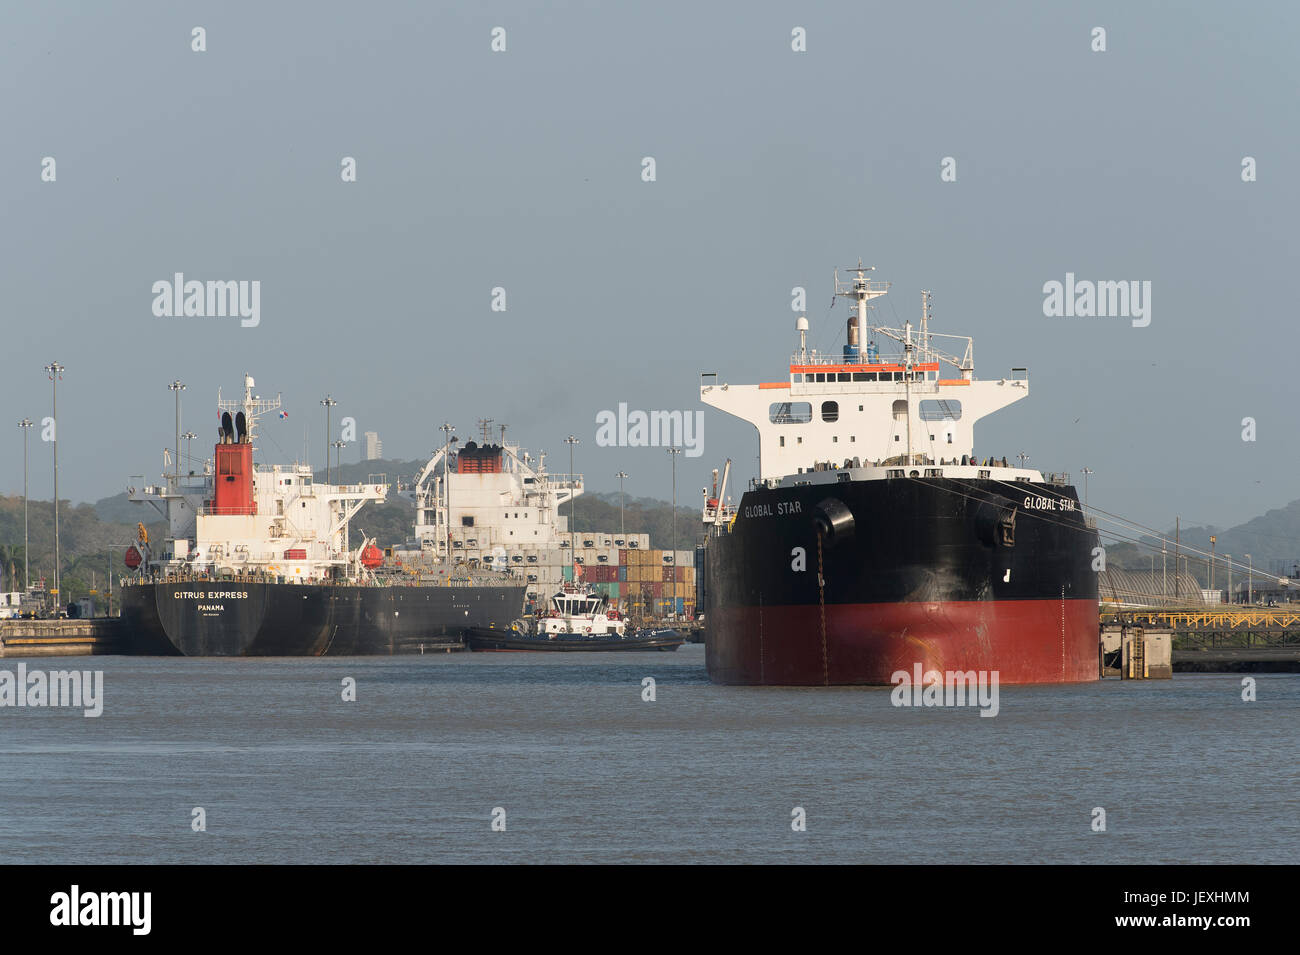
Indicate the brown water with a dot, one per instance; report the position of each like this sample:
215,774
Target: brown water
588,772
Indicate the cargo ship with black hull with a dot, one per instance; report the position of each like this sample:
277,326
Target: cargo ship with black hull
875,539
258,562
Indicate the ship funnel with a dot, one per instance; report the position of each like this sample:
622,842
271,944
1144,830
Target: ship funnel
227,429
241,425
851,349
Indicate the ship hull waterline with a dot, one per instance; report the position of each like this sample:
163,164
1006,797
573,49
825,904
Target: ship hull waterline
1024,641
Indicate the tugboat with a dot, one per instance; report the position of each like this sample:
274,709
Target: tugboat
875,540
258,562
579,619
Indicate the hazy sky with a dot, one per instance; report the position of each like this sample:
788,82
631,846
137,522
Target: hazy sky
523,170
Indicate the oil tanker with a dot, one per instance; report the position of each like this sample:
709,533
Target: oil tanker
258,562
874,537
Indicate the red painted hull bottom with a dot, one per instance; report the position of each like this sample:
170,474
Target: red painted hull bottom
1025,641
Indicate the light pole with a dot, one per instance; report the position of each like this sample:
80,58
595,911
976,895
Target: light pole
55,372
1250,579
26,425
571,441
1212,540
1086,472
1228,558
1164,573
622,533
329,403
338,453
176,387
447,442
672,453
189,437
108,610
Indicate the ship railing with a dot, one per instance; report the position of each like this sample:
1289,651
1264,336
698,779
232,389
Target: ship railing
1058,477
831,358
211,510
867,361
360,488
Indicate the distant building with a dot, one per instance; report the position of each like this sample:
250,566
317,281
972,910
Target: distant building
374,447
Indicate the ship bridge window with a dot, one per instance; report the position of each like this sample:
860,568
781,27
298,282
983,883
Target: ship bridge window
830,411
860,376
940,409
790,412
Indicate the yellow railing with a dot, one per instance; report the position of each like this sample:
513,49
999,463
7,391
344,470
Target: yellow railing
1249,618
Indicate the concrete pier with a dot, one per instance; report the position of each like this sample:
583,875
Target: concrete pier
1238,660
60,638
1137,653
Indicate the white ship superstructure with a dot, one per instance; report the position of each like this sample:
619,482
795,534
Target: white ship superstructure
855,410
492,504
240,519
486,497
583,611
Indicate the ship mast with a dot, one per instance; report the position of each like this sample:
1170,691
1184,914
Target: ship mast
862,291
907,387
